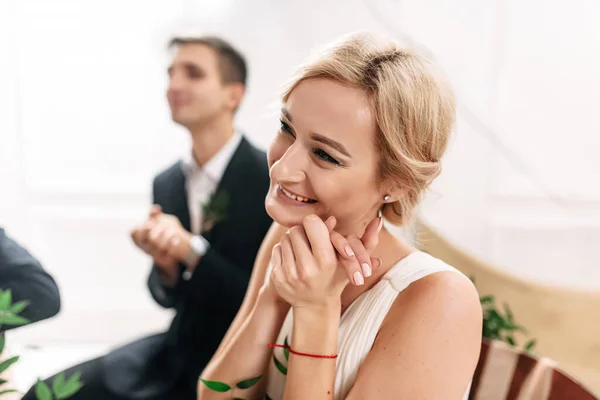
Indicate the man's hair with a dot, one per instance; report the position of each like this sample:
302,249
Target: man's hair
232,64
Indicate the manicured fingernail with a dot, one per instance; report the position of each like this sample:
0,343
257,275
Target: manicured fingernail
366,270
349,251
358,278
380,224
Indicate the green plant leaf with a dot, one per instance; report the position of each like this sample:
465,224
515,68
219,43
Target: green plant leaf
2,342
509,313
2,382
5,300
7,363
487,299
248,383
58,384
505,325
282,368
520,328
494,322
69,388
11,319
529,346
217,386
42,391
7,391
510,340
19,306
286,351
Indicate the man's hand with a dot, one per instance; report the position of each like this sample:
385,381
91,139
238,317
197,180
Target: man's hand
163,238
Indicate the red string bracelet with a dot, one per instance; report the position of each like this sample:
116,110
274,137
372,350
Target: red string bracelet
300,354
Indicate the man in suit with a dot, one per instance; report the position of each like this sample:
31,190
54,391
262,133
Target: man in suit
203,233
24,276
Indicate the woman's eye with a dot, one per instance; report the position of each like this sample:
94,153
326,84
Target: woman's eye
285,128
325,157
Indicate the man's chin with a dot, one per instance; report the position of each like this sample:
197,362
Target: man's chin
182,118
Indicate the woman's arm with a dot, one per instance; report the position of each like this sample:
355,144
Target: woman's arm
316,299
256,282
244,352
315,332
247,354
306,274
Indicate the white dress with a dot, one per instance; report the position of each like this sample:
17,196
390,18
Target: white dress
359,324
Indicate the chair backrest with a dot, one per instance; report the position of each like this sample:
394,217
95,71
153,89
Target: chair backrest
563,321
504,372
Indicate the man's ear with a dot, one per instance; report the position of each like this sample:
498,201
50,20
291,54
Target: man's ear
236,94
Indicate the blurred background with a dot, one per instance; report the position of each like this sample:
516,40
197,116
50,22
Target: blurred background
84,125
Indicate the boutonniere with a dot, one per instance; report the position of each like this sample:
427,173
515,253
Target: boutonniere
214,210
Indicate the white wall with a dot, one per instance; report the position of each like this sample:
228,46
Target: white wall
84,126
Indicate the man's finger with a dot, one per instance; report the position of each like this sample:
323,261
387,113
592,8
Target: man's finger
164,240
154,211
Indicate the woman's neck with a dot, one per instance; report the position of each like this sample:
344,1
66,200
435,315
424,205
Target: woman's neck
390,250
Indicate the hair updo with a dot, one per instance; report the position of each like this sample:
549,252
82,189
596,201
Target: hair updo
413,104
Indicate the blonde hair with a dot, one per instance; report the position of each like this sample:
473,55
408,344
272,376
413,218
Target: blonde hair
413,104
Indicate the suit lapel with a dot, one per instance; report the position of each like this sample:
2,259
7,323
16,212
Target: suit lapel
228,185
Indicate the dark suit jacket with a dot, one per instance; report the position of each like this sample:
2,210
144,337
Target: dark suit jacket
24,276
207,303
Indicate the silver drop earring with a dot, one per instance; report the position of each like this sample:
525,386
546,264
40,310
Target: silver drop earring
387,198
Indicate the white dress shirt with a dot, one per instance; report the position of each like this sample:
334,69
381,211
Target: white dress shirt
201,182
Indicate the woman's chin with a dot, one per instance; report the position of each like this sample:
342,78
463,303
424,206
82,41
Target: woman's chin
283,215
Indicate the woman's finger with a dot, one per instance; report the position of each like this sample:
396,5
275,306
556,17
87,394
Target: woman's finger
302,251
370,237
347,257
330,223
362,255
288,263
320,243
342,245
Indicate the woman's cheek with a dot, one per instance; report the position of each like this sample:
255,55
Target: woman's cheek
276,150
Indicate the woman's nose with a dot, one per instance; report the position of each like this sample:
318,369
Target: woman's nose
291,166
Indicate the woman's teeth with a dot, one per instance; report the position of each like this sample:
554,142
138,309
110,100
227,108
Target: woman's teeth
296,197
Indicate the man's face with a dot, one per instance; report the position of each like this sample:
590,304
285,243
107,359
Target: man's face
196,91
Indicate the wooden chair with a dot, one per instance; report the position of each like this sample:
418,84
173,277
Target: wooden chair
565,322
505,373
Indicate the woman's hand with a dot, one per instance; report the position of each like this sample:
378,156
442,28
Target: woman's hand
312,264
354,253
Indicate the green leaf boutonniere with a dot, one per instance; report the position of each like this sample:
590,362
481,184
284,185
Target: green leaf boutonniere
215,210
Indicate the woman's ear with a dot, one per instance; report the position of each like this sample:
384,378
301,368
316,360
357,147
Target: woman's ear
392,194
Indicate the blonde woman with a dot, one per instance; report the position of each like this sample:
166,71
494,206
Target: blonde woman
339,308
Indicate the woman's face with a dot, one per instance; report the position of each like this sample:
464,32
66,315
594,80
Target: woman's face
323,160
